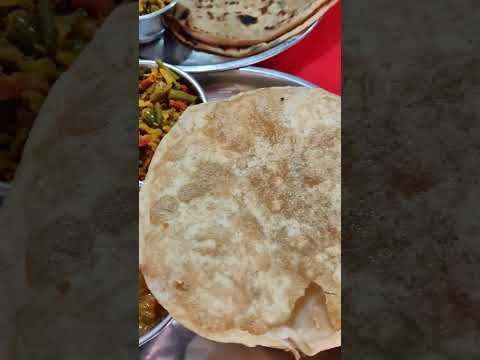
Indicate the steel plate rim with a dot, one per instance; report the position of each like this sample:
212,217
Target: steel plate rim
158,12
278,75
198,88
155,331
250,60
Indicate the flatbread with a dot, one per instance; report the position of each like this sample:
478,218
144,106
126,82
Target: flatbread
242,23
239,52
240,220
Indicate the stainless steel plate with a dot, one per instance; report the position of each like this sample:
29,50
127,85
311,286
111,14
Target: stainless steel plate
222,85
174,342
155,331
195,61
178,343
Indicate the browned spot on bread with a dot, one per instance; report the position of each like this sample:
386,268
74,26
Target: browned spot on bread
163,209
211,178
311,181
247,19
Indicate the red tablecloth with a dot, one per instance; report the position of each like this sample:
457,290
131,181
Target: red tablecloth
318,57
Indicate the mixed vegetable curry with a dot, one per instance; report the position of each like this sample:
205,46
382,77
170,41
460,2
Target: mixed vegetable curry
149,310
162,99
149,6
39,40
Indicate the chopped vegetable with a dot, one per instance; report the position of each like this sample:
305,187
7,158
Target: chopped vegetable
162,98
181,95
143,140
178,105
149,6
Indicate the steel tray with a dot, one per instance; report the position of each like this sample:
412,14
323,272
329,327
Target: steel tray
195,61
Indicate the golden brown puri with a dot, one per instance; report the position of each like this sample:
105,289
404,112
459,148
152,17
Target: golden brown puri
240,220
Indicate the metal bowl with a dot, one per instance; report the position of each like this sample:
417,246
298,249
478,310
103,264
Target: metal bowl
150,26
149,335
183,75
165,322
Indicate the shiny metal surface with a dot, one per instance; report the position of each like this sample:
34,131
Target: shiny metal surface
222,85
174,342
178,343
150,26
155,331
195,61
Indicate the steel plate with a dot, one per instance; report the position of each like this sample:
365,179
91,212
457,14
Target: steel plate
174,342
222,85
178,343
170,50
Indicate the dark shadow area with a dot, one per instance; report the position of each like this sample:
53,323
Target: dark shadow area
69,224
410,154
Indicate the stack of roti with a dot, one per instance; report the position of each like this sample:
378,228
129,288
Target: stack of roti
242,28
240,220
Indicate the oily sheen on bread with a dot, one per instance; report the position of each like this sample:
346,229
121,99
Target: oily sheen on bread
240,220
242,22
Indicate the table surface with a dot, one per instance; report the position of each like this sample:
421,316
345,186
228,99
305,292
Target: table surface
318,57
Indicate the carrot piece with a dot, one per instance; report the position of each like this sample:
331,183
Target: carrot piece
178,105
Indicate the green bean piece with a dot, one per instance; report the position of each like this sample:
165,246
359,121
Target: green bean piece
161,89
149,117
158,114
181,95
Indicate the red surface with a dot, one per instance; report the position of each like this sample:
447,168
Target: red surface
318,57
